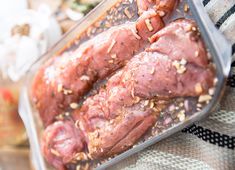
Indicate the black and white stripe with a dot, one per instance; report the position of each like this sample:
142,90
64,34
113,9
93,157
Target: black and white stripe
205,2
225,16
212,137
233,47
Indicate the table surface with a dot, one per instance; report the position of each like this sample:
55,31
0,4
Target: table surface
15,159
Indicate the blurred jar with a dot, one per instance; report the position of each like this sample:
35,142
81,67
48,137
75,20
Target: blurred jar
12,130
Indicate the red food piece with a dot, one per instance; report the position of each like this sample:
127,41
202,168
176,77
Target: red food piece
8,96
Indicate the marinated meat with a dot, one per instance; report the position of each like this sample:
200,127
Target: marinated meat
64,80
114,119
163,7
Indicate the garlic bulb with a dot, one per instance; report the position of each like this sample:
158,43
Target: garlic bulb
25,36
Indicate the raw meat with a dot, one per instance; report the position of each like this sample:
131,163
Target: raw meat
113,120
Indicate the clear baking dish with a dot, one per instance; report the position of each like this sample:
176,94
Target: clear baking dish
220,55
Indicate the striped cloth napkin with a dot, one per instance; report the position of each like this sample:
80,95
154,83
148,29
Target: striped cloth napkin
210,144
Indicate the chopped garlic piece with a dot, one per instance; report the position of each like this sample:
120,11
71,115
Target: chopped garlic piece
55,152
181,70
161,13
149,25
181,115
183,62
59,88
146,102
152,70
111,46
186,8
196,53
176,64
204,98
211,91
73,105
114,56
215,81
198,88
151,104
84,78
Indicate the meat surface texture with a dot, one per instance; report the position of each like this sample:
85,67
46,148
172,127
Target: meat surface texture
66,141
113,120
163,7
185,33
65,79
